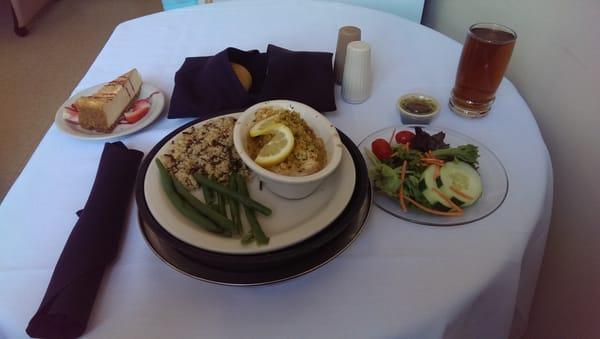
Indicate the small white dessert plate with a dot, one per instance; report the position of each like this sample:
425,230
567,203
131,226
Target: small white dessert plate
157,103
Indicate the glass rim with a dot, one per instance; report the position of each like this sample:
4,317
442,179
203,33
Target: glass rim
496,27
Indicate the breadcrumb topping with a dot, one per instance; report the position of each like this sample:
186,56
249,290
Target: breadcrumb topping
307,157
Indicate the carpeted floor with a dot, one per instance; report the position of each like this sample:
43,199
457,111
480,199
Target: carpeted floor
38,72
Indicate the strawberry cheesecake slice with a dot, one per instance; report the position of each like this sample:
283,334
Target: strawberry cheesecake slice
103,110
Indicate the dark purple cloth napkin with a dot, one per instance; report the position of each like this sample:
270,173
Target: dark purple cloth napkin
306,77
91,247
207,86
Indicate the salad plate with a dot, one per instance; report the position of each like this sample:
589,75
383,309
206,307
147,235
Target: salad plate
494,179
148,92
292,221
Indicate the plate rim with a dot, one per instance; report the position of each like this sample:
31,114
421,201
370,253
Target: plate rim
156,149
153,114
442,129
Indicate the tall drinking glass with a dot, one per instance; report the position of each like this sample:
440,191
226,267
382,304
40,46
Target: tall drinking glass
483,61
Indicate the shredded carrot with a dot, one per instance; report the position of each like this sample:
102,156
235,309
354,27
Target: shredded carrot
430,155
460,193
401,193
447,200
407,146
432,161
432,211
401,198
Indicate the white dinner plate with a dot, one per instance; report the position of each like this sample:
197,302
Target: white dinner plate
291,221
157,102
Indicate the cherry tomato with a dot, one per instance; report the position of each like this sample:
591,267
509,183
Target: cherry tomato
381,148
403,137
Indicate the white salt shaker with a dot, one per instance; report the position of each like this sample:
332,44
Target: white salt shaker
357,76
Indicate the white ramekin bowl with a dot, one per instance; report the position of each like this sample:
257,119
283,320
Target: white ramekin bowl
288,186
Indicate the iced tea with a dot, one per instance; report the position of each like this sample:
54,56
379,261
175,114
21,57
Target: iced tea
484,59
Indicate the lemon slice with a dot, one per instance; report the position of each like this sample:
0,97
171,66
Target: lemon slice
263,127
278,148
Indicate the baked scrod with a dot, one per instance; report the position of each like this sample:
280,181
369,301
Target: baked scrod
103,110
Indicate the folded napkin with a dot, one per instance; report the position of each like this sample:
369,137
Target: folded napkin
306,77
207,86
92,245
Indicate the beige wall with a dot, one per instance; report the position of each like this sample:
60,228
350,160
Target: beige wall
556,67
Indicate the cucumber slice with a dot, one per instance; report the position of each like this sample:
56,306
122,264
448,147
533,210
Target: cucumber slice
463,178
427,183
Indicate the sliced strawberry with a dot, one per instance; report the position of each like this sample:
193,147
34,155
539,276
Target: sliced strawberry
138,111
72,119
72,114
72,110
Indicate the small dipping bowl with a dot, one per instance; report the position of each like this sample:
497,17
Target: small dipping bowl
290,187
417,108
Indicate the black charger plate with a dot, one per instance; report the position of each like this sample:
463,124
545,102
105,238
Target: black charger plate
181,254
291,269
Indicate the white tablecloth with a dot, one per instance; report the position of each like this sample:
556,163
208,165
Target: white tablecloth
399,280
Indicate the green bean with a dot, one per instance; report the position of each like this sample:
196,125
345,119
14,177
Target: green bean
204,209
257,232
247,238
208,196
243,199
181,205
221,204
234,206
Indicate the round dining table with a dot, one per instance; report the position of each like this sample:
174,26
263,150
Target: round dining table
397,280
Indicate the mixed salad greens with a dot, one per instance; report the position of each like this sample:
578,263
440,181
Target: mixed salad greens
422,171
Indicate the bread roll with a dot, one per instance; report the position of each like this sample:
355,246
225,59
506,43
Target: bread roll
243,75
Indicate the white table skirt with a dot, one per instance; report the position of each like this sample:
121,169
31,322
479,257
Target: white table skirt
399,280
